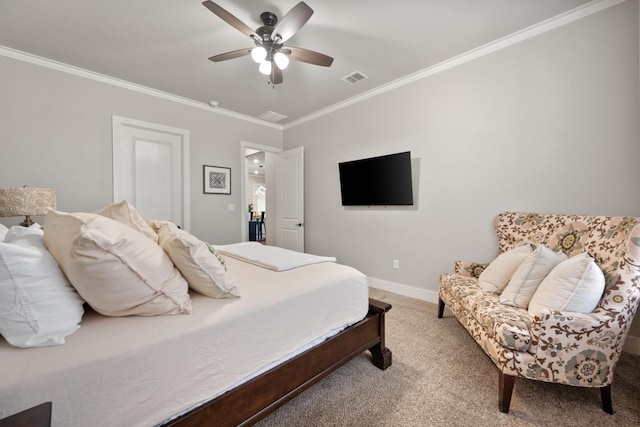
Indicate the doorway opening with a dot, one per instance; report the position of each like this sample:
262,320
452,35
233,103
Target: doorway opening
284,196
258,193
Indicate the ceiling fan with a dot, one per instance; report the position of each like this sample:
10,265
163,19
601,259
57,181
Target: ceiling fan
269,39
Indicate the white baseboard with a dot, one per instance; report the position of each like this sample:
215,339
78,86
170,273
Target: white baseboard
404,290
631,345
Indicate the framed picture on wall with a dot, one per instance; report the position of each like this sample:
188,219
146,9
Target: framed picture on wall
217,180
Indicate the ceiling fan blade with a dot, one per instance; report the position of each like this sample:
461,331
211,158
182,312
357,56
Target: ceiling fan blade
292,22
230,55
276,74
230,19
309,56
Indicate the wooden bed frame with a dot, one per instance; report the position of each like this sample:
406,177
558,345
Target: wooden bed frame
250,402
257,398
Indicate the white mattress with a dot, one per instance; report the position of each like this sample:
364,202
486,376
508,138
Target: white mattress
141,371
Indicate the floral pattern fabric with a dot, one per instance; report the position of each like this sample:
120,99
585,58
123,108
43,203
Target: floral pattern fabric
506,324
570,348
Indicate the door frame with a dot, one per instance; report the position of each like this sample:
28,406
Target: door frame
244,213
119,122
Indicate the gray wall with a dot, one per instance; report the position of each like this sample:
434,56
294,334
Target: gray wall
550,125
56,132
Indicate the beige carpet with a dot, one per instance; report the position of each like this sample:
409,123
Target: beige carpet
440,376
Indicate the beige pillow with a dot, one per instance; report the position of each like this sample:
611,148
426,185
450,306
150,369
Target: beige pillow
203,270
574,285
156,224
116,269
495,277
126,213
529,275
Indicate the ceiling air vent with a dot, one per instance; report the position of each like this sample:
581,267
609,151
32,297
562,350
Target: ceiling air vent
354,78
272,116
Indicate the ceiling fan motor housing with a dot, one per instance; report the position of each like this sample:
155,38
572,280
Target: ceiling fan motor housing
269,19
265,32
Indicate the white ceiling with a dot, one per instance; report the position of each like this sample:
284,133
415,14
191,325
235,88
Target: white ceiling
164,44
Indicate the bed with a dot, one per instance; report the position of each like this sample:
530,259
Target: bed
231,361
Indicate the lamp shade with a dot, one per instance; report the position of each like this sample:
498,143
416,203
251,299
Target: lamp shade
258,54
282,60
18,201
265,67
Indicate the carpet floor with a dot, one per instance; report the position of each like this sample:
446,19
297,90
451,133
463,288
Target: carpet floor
441,377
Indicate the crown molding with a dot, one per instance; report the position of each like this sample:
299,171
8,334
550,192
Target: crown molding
91,75
486,49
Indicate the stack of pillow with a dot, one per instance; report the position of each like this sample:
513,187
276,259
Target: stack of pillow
112,259
536,278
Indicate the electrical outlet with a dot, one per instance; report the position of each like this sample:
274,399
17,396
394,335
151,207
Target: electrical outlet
232,207
396,264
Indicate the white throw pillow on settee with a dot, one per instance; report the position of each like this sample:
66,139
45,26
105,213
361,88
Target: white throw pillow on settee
495,277
574,285
528,276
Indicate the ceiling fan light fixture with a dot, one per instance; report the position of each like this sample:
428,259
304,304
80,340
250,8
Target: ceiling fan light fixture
282,60
258,54
265,67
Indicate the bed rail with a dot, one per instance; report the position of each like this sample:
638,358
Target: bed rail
255,399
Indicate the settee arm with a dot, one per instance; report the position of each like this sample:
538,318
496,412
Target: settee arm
468,268
576,348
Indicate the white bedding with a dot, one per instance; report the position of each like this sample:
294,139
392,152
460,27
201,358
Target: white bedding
271,257
141,371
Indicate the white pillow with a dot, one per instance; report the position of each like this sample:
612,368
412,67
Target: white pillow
3,231
116,269
495,277
126,213
529,275
38,306
197,262
574,285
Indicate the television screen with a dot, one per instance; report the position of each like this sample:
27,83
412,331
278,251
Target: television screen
383,180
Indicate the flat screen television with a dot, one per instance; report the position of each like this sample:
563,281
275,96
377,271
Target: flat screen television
377,181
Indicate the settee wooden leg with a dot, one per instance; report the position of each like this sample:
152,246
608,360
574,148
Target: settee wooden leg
440,308
505,389
605,394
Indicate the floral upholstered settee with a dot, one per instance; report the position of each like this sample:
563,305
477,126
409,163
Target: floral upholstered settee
579,349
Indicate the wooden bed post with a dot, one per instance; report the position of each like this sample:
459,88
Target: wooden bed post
381,355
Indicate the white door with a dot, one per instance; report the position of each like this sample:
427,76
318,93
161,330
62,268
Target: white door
151,169
290,199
